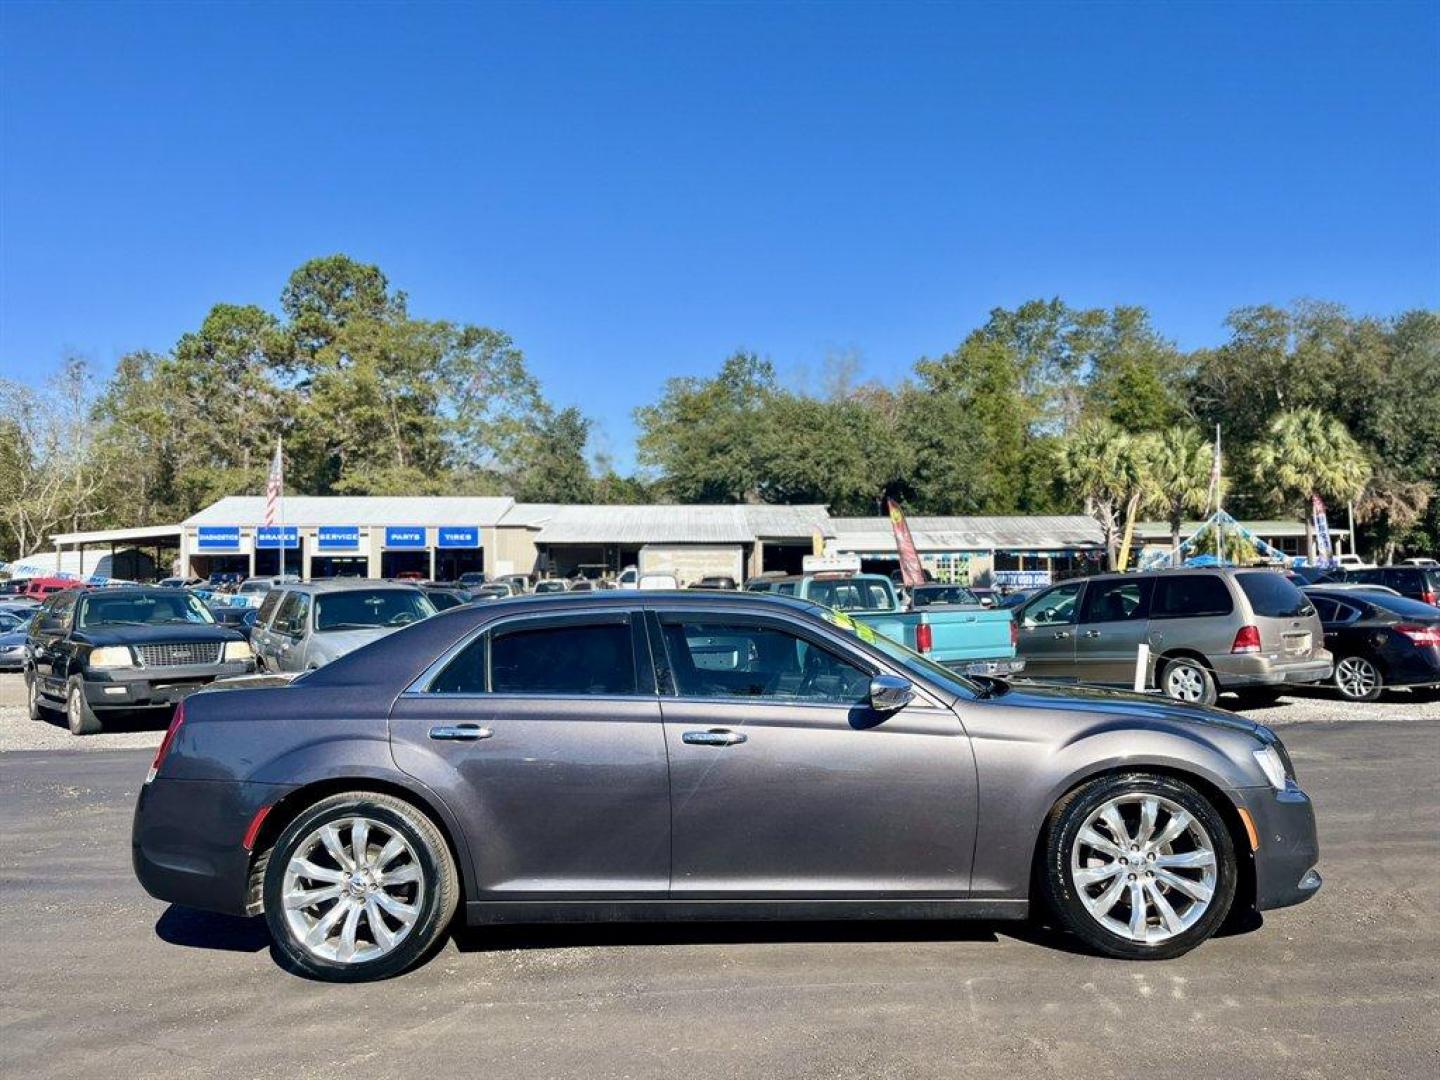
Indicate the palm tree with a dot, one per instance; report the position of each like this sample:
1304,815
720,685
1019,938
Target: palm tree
1108,469
1308,453
1180,474
1394,503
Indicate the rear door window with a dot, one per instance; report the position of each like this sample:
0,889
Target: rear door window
1272,597
578,656
1190,596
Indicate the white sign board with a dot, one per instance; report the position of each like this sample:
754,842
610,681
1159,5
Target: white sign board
830,564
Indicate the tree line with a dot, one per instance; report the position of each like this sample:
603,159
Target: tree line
1046,408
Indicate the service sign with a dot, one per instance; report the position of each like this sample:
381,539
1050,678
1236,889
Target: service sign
404,536
337,537
217,538
458,536
277,536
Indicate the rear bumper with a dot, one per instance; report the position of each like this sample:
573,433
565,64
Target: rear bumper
1285,862
1013,665
153,687
186,842
1250,670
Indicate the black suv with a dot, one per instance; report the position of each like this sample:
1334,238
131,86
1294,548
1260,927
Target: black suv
1416,582
98,650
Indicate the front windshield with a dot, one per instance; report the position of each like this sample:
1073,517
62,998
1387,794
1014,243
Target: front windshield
364,609
143,609
906,658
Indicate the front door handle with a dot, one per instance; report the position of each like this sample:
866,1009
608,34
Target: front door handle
713,737
460,732
1092,633
1062,634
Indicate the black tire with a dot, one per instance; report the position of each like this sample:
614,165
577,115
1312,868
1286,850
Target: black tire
37,708
80,718
1062,895
1358,678
439,899
1182,670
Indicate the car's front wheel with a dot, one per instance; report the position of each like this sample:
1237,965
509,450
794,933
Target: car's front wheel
359,886
78,714
1358,678
1139,866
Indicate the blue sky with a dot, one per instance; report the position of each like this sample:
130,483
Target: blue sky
633,192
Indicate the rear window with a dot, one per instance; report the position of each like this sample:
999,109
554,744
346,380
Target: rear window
1272,597
852,594
1400,605
364,609
1190,596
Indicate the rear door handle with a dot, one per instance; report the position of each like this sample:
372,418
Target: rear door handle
1062,633
1092,633
460,732
713,737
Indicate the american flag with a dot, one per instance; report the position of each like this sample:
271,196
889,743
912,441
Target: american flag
274,486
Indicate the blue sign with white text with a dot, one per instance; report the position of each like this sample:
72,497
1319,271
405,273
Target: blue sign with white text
337,537
458,536
217,538
277,536
404,536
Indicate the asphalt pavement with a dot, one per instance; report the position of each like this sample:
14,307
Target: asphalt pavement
101,980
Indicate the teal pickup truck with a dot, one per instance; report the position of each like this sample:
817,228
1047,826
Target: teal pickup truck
976,640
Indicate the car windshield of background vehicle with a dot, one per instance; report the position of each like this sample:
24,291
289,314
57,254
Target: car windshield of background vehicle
363,609
1272,597
907,658
142,610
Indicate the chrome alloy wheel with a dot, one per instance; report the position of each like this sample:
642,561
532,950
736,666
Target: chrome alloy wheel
1356,677
1144,868
353,890
1184,683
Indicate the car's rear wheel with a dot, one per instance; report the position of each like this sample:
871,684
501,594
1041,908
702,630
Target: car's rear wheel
360,886
1187,680
38,709
1358,678
78,714
1139,866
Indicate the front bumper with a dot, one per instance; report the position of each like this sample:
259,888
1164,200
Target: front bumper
1285,861
186,842
139,688
1259,670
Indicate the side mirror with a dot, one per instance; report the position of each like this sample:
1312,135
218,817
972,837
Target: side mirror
890,693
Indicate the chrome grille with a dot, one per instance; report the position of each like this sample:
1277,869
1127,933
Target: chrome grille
181,654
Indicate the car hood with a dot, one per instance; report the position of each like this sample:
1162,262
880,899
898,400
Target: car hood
1124,703
156,634
15,637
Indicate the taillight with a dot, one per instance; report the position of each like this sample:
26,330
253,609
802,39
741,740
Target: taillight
924,637
1421,635
166,742
1247,639
1431,598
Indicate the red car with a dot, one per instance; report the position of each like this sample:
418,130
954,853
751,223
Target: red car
41,587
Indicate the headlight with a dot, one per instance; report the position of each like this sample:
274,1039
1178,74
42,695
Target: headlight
238,650
112,656
1272,766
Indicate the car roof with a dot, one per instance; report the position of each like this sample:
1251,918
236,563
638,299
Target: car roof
330,585
686,598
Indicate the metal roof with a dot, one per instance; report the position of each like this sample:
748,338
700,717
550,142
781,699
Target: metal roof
1044,533
679,524
305,510
117,536
1160,530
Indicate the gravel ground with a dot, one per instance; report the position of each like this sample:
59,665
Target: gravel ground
144,730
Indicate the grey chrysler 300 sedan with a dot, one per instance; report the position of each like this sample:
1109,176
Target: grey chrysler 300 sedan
703,756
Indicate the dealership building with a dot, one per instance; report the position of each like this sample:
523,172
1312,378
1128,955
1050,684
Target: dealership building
441,538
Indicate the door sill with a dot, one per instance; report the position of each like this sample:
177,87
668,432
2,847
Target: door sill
499,912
